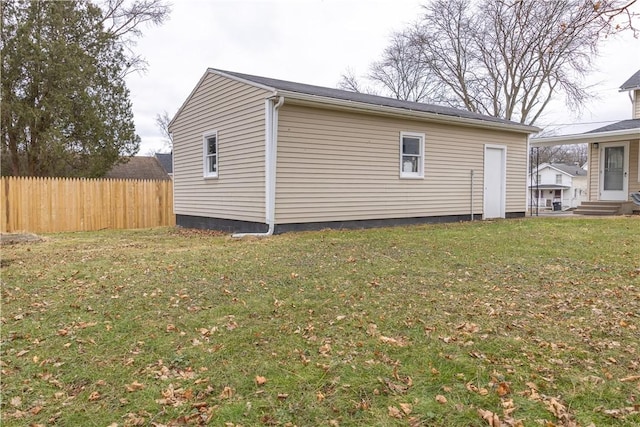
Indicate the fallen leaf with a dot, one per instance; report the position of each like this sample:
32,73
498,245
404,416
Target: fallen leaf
503,389
492,419
406,408
394,412
135,386
228,392
260,380
441,399
325,349
94,396
16,401
398,342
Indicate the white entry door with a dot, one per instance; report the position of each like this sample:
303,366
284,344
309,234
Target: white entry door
495,157
614,170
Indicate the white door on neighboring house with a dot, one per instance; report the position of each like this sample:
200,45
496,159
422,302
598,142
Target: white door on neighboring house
614,170
495,157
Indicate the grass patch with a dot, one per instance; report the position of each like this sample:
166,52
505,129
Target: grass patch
533,321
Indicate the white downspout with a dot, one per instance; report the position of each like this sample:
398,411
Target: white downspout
271,151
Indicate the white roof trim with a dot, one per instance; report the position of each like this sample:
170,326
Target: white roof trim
362,106
582,138
304,98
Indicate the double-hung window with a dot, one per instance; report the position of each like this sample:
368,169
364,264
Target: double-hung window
411,155
210,149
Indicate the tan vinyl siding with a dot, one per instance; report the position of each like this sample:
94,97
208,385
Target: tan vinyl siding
338,166
634,166
636,104
237,112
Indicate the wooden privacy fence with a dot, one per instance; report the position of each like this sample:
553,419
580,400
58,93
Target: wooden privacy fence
48,205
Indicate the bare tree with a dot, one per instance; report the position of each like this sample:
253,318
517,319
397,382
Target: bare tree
349,81
401,72
162,122
567,154
504,58
123,21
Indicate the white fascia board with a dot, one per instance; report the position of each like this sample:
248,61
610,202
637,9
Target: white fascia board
311,100
583,138
241,80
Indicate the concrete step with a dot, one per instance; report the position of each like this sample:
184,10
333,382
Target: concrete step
599,208
595,212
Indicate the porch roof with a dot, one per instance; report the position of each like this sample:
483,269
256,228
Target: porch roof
624,130
549,187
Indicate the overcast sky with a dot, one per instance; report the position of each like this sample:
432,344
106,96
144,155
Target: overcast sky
314,42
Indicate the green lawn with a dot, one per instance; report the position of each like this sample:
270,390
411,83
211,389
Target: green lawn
532,322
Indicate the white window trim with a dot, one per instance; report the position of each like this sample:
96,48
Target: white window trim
420,173
205,157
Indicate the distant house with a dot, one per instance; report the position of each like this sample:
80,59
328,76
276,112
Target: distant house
613,158
138,167
557,182
255,154
166,161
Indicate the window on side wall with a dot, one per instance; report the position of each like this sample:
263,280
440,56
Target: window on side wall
411,155
210,149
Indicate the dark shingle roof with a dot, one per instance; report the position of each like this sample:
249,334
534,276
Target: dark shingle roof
138,167
166,161
622,125
574,170
632,83
365,98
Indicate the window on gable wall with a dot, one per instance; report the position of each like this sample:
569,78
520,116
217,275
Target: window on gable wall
411,155
559,178
210,148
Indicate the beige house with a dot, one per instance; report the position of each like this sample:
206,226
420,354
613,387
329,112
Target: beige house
259,155
613,159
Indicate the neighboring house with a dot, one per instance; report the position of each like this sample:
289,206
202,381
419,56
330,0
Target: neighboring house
613,156
138,167
166,161
254,154
557,182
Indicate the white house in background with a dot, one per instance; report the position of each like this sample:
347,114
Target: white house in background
558,182
613,158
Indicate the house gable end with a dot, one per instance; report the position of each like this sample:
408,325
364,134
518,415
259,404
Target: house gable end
207,73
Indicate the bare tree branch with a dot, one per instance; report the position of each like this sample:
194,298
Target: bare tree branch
504,58
162,123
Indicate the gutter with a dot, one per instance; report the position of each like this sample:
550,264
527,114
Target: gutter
582,138
270,159
314,100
